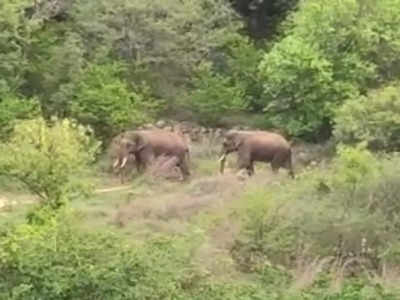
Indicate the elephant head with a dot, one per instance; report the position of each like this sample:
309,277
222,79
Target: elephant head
231,143
233,139
130,143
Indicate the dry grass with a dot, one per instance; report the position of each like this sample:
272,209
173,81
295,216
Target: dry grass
181,203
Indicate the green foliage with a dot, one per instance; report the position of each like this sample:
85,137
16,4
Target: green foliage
332,51
49,158
322,224
299,86
12,110
242,60
166,37
57,66
374,118
354,166
351,290
15,39
213,95
106,103
58,260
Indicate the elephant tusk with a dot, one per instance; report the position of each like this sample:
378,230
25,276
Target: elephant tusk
222,160
223,157
124,162
115,164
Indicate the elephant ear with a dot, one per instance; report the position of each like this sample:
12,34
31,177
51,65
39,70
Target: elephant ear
238,141
140,142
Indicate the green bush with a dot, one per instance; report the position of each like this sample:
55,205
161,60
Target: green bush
59,260
331,52
339,221
214,95
49,158
15,39
374,118
12,110
105,102
242,60
354,166
298,87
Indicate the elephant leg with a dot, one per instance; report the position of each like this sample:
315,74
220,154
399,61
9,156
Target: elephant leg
279,160
144,159
250,168
184,167
289,165
244,161
276,163
284,160
139,163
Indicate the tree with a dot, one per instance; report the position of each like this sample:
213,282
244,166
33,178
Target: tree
15,40
13,109
105,102
166,37
214,95
49,159
374,118
353,46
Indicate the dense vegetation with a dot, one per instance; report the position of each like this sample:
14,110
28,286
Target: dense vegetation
76,73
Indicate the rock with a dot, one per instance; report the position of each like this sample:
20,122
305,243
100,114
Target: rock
161,124
148,126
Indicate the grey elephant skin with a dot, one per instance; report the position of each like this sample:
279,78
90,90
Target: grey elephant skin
115,152
146,145
252,146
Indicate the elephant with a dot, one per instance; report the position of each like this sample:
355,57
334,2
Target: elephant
257,145
148,144
117,155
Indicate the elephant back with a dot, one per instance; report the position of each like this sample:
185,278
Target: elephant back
162,141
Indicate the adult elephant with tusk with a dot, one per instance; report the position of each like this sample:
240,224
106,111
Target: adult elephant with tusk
252,146
122,165
146,145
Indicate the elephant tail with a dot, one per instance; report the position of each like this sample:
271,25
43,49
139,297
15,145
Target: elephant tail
187,155
290,163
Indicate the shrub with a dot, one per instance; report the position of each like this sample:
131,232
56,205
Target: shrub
343,218
15,38
374,118
242,60
12,110
298,80
354,166
49,158
105,102
331,52
59,260
214,95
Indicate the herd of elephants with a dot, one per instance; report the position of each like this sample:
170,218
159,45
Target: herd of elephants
144,146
